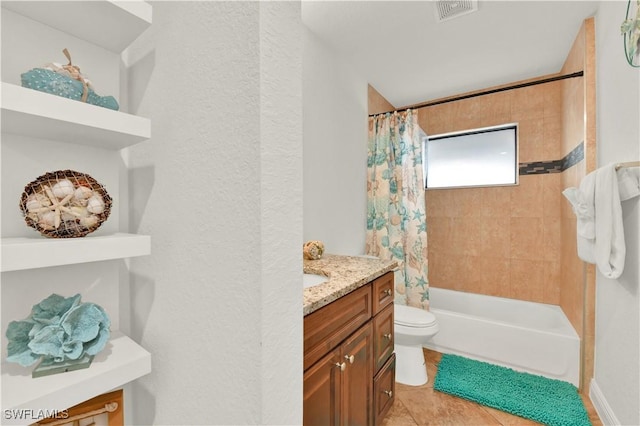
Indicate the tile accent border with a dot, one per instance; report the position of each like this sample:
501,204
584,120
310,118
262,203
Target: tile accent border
574,157
540,167
553,166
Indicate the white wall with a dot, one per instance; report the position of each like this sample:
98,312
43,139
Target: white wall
617,352
281,208
335,149
218,187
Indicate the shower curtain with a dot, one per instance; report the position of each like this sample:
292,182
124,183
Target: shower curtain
396,216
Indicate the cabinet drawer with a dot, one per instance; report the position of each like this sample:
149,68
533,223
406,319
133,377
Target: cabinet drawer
383,337
382,292
384,390
327,327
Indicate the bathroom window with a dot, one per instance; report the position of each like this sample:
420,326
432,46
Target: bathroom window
479,157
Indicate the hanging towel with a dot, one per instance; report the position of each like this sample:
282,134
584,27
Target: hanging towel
610,247
598,210
583,203
629,182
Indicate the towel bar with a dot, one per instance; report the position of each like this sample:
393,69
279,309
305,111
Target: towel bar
629,164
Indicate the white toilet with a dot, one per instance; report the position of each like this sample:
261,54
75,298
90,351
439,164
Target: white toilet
413,327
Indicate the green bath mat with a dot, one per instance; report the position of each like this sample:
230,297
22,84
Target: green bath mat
547,401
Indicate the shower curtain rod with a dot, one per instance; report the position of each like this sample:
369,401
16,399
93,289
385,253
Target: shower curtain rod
486,92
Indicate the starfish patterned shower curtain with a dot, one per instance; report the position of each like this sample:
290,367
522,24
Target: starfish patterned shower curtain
396,211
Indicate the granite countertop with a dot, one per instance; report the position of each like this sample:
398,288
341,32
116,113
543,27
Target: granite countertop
345,273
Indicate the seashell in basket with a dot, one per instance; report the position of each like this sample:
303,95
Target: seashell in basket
65,204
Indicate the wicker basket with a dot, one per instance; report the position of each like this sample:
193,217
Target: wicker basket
65,204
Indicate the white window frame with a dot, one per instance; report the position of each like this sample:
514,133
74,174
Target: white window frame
480,183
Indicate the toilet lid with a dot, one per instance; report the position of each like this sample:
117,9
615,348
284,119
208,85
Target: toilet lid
412,317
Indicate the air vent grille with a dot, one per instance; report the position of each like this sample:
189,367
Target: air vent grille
449,9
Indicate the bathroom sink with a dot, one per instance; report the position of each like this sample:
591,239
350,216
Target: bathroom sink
310,280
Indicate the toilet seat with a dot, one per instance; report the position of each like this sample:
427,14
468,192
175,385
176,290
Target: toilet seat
408,316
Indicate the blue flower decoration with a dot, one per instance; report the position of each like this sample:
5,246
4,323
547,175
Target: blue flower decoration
57,330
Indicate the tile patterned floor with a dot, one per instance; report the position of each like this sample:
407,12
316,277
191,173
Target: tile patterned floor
421,405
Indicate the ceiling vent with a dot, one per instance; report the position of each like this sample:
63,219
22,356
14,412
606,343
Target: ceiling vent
449,9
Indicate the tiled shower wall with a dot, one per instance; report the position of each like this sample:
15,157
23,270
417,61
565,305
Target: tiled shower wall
577,297
501,241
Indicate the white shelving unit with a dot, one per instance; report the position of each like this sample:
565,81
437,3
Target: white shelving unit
119,363
111,25
31,253
41,115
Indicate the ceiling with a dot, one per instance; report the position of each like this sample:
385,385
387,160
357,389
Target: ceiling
403,52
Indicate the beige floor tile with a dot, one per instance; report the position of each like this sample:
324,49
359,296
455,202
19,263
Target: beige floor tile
507,419
430,407
398,415
406,388
431,357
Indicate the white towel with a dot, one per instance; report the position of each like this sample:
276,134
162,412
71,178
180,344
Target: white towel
629,182
583,203
597,207
610,246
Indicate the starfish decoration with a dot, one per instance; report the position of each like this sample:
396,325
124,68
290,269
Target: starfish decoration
57,206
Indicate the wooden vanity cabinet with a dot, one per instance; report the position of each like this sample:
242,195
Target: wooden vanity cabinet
348,360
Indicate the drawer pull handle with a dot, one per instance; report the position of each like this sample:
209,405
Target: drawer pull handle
389,393
388,292
341,365
350,358
387,336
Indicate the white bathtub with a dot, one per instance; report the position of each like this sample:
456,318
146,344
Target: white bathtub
525,336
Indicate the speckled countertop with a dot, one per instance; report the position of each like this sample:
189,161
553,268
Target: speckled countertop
345,273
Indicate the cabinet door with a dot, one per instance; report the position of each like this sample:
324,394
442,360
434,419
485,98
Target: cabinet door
384,389
357,387
322,391
382,337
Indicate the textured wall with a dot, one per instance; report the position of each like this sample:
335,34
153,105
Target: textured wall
216,187
281,211
335,150
617,357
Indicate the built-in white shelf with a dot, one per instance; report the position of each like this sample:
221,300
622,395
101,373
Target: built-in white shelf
112,25
42,115
40,252
120,362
